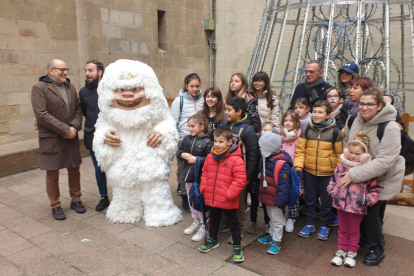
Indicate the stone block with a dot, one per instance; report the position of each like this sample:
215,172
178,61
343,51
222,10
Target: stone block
19,98
17,11
143,48
65,5
7,57
12,243
66,32
93,11
31,29
8,42
44,45
94,28
98,45
134,47
104,15
118,45
66,46
4,129
196,5
7,26
21,127
137,20
110,31
9,113
121,18
140,34
27,227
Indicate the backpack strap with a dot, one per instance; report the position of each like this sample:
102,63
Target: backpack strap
181,103
351,120
196,167
307,131
241,144
278,166
381,130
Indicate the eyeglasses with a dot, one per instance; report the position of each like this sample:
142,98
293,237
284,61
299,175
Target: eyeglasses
368,105
62,69
333,96
311,72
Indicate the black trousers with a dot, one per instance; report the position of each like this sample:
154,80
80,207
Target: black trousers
371,225
254,207
231,217
315,187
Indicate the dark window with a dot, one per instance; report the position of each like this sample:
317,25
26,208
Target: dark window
162,31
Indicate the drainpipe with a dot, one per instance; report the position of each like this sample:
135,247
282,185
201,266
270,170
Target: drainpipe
213,48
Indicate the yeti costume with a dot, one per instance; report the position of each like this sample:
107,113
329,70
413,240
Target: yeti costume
138,173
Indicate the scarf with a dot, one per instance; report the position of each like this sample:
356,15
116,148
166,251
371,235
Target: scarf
311,89
218,156
336,111
352,106
328,122
290,135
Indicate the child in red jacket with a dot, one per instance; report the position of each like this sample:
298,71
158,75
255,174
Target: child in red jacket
222,180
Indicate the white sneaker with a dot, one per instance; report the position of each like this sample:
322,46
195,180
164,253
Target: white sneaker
338,258
350,259
290,225
193,227
201,233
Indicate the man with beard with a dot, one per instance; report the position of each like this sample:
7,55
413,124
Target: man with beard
88,95
314,86
59,118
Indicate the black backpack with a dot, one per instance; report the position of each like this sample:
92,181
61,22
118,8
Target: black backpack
407,144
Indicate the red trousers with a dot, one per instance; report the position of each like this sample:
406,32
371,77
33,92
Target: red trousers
348,232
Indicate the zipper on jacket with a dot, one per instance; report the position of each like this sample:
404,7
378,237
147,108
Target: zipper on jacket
214,187
191,151
317,153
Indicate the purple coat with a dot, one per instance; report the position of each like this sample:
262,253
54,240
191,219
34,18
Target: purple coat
355,197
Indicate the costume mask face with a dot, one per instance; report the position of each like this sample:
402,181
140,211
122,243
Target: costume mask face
130,98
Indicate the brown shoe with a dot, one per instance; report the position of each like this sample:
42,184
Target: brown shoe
252,228
78,207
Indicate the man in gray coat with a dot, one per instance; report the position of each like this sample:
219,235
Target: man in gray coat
59,118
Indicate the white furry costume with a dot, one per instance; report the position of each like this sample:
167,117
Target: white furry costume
138,173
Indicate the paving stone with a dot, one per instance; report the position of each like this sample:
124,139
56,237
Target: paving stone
43,199
175,270
232,269
26,189
69,225
3,190
92,262
33,208
7,268
399,227
146,239
96,239
100,222
70,271
12,243
70,213
11,199
27,227
35,261
7,213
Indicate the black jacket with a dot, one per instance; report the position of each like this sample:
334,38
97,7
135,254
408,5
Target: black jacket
89,103
342,117
251,146
300,92
199,146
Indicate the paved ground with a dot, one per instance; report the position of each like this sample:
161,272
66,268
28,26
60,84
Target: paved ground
33,243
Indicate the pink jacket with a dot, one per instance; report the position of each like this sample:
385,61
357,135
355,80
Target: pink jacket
289,146
355,197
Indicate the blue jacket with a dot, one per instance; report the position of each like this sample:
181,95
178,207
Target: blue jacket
276,195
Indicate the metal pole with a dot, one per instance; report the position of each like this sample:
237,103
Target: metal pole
279,42
358,34
387,44
411,8
295,77
328,37
269,34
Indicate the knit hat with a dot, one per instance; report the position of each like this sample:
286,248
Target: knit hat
269,143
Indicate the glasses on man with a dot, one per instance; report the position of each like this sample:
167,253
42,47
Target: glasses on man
368,105
62,69
333,96
311,72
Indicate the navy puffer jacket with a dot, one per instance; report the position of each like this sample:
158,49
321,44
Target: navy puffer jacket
199,146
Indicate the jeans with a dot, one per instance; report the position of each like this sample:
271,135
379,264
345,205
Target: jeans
231,215
100,176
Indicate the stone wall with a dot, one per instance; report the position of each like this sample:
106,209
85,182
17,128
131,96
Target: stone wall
34,31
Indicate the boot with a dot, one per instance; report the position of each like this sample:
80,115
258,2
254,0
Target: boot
186,206
375,255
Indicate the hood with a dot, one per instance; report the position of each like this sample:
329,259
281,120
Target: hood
187,95
47,79
243,121
387,113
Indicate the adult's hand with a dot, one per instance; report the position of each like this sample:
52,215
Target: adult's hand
343,133
154,139
345,180
191,160
111,139
72,133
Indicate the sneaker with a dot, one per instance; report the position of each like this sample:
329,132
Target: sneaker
290,225
350,259
103,204
339,257
324,233
267,228
78,207
266,239
192,228
333,221
274,248
307,231
223,228
230,240
58,214
208,245
201,233
238,255
252,228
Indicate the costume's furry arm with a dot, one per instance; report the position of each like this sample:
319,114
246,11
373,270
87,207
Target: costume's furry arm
105,155
169,137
